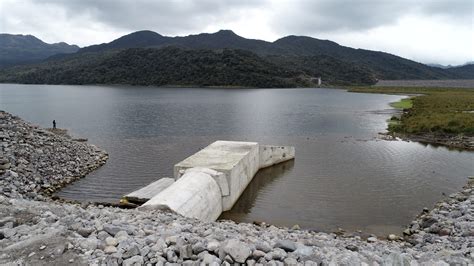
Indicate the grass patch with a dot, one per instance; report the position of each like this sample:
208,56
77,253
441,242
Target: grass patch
403,104
439,110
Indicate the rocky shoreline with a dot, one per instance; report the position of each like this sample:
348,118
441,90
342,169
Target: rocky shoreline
35,230
450,141
458,142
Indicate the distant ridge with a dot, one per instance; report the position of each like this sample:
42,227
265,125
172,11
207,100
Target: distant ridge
289,61
137,39
383,65
466,71
22,49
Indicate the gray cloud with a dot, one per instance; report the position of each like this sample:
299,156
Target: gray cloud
409,28
309,17
166,16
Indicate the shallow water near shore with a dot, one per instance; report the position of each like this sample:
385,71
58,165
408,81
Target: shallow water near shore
343,176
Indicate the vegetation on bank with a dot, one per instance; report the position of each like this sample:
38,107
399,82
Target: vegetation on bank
439,111
403,104
172,66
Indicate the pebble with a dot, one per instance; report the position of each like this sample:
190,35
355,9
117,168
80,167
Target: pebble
110,249
111,241
371,239
286,245
392,237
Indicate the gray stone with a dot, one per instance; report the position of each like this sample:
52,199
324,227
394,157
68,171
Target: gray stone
171,256
5,166
444,232
251,262
263,246
134,261
212,246
371,239
191,263
392,237
112,229
185,252
144,251
257,254
290,262
89,243
111,241
303,251
396,259
198,247
286,245
238,250
110,249
208,259
352,248
276,254
85,231
59,250
9,232
132,250
102,235
428,221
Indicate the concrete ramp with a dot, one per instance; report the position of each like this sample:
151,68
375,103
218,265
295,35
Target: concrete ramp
216,175
146,193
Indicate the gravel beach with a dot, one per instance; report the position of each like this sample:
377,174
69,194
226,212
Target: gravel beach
37,230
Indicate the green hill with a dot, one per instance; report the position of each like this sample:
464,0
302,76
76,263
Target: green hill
208,59
159,67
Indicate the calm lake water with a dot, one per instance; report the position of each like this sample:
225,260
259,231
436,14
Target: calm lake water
343,176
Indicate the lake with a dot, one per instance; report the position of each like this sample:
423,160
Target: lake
343,175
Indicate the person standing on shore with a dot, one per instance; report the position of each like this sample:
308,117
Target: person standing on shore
54,124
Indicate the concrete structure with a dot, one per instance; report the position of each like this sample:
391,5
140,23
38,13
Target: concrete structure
146,193
195,195
212,180
316,80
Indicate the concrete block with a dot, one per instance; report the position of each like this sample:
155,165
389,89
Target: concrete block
271,155
238,161
144,194
218,176
195,195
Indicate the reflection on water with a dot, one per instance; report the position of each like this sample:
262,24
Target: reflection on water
343,176
263,178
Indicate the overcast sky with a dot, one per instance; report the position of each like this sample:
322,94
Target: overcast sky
428,31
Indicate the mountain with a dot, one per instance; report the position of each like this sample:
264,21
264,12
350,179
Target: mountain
22,49
159,67
137,39
219,40
383,65
292,60
450,66
439,66
466,71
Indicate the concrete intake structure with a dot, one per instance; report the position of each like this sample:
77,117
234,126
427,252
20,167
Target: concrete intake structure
212,180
